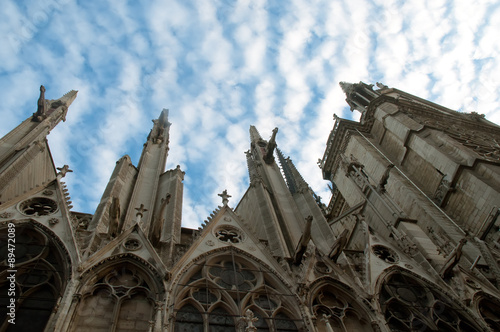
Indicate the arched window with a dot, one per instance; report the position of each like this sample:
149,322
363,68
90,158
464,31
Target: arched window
336,309
409,305
189,319
218,291
39,280
120,300
490,311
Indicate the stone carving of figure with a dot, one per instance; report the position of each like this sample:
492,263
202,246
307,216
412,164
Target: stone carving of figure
42,106
303,242
114,217
250,319
452,260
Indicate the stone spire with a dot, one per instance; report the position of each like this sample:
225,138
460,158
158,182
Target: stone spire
151,166
157,134
254,134
287,172
24,151
293,178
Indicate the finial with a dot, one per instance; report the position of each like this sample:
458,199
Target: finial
254,134
225,197
62,171
163,119
140,212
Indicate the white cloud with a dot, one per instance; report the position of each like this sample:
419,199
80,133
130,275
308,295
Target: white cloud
220,66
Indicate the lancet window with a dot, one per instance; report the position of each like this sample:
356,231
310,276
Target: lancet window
410,305
121,299
219,290
39,278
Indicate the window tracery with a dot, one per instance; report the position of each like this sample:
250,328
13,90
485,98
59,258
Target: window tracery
386,254
40,278
38,206
120,300
229,234
334,309
409,305
221,289
490,311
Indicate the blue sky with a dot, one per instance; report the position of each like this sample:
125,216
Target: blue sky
221,66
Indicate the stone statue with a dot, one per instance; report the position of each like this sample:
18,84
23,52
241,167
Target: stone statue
114,217
452,260
385,177
303,242
271,145
42,106
250,319
160,220
339,245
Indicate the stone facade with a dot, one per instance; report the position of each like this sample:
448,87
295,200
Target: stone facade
408,242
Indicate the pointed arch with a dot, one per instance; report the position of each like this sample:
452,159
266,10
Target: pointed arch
409,302
189,319
226,282
337,307
42,268
118,296
220,319
488,308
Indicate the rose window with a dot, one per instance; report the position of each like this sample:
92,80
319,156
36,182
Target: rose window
385,254
132,244
38,206
229,234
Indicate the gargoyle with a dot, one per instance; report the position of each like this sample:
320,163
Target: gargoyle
303,242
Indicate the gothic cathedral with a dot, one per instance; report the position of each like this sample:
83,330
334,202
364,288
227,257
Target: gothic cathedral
409,241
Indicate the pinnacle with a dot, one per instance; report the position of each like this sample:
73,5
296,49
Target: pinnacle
69,97
346,87
254,134
163,119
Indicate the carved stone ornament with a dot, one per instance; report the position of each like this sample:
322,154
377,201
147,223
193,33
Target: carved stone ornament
471,283
53,221
229,234
48,192
132,244
6,214
210,243
322,268
38,206
385,254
